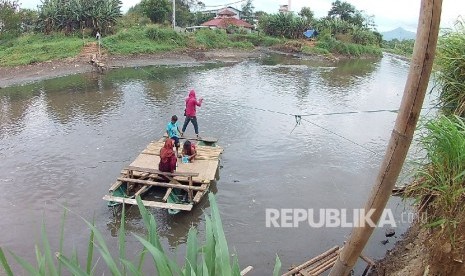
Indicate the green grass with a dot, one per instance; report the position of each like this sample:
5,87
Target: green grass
212,39
256,40
211,257
32,48
153,39
138,41
350,49
450,74
440,180
314,50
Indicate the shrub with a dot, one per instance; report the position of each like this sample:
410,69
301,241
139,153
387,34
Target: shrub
165,35
212,38
314,50
256,40
334,46
440,180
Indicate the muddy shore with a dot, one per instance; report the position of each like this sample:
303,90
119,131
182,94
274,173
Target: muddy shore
20,75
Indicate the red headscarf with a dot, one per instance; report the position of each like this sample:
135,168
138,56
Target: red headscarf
167,151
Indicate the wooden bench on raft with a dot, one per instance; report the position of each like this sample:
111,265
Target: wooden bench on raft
323,262
148,178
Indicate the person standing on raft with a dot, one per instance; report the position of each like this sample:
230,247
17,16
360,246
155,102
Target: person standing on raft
190,112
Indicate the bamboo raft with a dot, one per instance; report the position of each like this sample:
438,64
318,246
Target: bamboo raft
321,263
190,180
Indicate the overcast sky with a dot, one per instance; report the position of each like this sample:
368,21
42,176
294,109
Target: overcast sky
389,14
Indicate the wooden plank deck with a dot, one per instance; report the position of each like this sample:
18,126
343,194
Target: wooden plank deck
144,171
148,203
205,164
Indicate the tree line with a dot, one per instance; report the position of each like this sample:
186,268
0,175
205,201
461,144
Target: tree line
344,22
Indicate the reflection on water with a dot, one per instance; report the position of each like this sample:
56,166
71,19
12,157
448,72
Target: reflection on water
64,141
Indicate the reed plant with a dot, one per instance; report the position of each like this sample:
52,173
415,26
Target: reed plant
439,187
212,257
450,73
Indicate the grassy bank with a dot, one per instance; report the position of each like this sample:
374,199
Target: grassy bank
33,48
152,39
440,181
329,48
149,39
401,48
334,46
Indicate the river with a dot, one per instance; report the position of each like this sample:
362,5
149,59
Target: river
64,141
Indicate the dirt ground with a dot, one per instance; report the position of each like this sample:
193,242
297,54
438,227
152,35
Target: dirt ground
423,252
19,75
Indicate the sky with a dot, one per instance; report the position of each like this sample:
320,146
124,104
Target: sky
388,14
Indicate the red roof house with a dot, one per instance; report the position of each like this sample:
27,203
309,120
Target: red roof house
226,18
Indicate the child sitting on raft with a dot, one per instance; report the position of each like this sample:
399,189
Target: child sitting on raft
188,152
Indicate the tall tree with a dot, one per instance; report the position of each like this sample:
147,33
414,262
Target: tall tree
184,16
10,18
28,19
200,17
72,15
343,10
307,14
248,12
259,14
348,13
157,10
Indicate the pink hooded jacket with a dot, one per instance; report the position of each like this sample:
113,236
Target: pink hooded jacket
191,103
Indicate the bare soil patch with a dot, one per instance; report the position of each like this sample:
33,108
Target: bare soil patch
423,252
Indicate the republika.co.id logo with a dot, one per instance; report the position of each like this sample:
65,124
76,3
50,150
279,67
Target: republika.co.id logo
288,218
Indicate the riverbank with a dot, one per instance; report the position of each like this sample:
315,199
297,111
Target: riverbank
23,74
421,252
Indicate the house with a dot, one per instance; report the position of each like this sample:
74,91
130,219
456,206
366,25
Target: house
284,8
215,13
225,18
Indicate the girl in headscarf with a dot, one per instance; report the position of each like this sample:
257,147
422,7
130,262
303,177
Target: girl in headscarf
190,113
167,157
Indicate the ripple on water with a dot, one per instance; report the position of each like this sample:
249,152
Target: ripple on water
67,143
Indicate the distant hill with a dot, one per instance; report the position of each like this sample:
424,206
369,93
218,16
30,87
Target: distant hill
399,33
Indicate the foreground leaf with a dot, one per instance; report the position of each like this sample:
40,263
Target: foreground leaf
277,266
5,264
72,266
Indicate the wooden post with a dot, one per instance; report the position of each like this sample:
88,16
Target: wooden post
401,137
174,14
189,192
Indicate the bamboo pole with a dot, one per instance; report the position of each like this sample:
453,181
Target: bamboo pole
401,137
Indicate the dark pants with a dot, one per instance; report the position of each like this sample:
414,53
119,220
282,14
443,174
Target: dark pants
194,122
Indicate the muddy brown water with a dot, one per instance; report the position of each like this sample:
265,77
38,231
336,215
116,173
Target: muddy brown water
64,141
